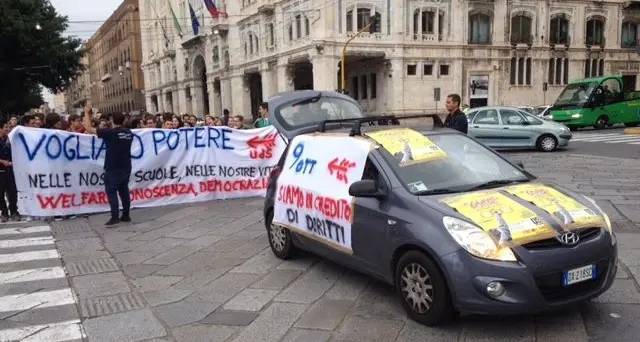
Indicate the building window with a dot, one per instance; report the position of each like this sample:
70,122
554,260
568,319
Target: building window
411,69
629,37
374,86
444,70
356,88
595,32
559,30
425,23
271,34
216,55
521,26
363,85
301,28
427,69
558,71
520,73
593,67
479,29
362,19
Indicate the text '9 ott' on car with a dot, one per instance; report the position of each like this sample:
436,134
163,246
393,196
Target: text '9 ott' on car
455,227
511,128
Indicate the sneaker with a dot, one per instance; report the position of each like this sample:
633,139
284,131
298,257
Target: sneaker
112,221
16,217
4,218
58,218
125,218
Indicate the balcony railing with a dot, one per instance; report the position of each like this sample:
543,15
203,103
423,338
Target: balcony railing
595,41
560,39
266,7
480,41
427,37
629,43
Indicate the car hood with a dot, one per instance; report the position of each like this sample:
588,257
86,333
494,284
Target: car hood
521,213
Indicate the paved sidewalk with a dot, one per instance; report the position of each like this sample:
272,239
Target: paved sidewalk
205,273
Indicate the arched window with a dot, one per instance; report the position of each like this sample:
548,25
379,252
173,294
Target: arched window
521,29
479,29
299,27
629,36
424,22
559,30
595,32
363,16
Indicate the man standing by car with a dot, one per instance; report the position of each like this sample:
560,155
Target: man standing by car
456,118
117,163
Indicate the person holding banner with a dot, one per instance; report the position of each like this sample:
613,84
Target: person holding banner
117,163
7,178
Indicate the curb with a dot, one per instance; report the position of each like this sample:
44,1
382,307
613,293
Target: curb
632,131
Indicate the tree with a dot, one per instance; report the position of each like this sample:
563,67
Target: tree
34,53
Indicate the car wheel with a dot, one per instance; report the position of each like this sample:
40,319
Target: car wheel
601,122
547,143
279,239
423,290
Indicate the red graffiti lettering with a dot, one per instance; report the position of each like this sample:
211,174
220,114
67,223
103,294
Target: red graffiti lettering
340,168
218,185
262,147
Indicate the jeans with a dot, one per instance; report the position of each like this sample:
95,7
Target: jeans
8,186
116,182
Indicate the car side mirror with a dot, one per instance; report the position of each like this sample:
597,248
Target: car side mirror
365,188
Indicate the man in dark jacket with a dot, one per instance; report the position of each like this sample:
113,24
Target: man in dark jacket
456,119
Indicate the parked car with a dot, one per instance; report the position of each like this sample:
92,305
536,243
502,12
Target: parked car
470,232
509,128
543,112
528,109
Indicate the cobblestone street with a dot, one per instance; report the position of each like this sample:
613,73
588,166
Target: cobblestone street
205,273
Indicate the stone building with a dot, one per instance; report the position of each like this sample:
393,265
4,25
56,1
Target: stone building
80,89
490,52
117,81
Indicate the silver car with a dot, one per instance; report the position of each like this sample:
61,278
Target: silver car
512,128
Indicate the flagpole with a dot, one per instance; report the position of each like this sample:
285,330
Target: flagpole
164,29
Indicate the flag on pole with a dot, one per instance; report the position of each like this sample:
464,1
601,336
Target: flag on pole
176,23
211,7
195,24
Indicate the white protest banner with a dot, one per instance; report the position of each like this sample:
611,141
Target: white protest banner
312,197
61,173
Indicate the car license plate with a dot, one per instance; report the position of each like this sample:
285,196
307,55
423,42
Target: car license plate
578,275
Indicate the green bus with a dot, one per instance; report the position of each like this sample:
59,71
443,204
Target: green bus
598,102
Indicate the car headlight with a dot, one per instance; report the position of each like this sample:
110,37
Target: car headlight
607,221
476,241
576,116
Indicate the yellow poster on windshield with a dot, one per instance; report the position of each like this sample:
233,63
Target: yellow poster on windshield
506,219
408,145
567,210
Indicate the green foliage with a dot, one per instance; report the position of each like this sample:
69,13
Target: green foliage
33,52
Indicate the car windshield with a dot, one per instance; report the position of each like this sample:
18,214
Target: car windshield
315,110
576,94
539,110
461,165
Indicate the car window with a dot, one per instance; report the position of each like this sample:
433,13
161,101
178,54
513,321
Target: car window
511,117
470,115
487,117
325,108
532,119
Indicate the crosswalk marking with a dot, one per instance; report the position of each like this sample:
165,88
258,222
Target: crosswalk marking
29,266
36,241
32,275
28,256
607,138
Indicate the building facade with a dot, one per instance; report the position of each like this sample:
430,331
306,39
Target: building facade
491,52
115,55
59,101
80,89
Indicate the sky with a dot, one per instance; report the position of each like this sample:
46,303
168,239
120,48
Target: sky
85,18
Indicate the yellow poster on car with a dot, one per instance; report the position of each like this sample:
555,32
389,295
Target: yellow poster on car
567,210
506,219
408,145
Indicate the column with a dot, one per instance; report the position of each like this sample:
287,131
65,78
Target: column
268,84
212,99
394,87
240,104
149,104
325,73
226,95
176,101
217,102
284,79
197,98
160,101
182,100
168,106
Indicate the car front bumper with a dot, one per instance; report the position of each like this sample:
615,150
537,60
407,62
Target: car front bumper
533,285
563,139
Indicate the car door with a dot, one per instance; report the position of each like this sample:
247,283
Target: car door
516,129
486,127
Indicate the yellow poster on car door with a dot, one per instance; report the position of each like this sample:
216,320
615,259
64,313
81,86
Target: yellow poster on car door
567,210
407,144
493,211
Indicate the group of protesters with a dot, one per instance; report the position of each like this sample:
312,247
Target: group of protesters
74,123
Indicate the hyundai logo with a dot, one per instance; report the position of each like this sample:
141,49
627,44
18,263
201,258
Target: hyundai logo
569,239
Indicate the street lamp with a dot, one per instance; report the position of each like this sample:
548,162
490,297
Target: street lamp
38,27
